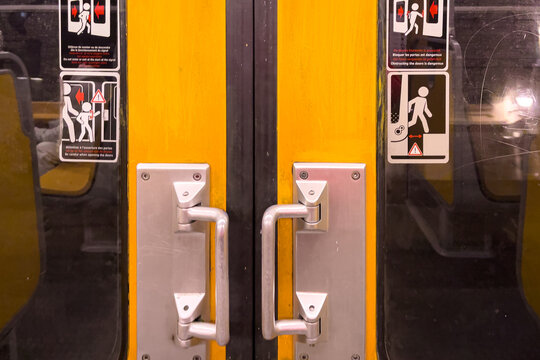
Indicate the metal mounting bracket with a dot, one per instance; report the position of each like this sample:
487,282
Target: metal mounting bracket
173,245
329,259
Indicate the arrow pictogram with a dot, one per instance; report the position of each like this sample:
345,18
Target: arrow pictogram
415,136
99,10
79,96
433,10
400,12
74,11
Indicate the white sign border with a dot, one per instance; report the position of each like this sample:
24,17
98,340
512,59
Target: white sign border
389,115
387,60
93,74
89,69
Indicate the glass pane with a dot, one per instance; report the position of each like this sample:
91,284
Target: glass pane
460,243
62,225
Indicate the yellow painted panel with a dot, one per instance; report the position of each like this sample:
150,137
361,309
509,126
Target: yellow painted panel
19,242
327,112
530,249
68,179
177,103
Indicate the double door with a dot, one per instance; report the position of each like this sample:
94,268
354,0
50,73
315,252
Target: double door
275,191
269,97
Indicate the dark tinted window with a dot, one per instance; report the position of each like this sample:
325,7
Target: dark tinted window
61,230
459,243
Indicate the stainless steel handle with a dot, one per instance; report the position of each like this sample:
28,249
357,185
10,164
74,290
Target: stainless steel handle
313,209
328,238
174,245
219,331
270,327
187,328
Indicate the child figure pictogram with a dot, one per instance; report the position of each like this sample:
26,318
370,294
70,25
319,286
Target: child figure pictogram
84,119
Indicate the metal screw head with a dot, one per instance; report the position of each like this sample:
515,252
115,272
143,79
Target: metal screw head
185,193
146,357
145,176
304,175
355,175
304,356
197,357
197,176
311,308
311,192
355,357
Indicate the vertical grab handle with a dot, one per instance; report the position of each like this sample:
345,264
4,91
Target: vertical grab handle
187,328
175,242
270,327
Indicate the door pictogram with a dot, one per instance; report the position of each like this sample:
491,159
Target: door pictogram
418,128
90,125
89,34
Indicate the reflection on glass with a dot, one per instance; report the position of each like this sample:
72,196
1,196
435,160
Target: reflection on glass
461,241
60,242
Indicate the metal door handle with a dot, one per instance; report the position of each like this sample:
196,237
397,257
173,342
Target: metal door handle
329,233
173,263
313,210
188,304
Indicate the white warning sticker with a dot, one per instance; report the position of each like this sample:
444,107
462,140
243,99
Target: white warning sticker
90,117
418,118
89,35
417,35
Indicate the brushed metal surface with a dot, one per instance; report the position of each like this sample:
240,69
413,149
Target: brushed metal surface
168,261
333,261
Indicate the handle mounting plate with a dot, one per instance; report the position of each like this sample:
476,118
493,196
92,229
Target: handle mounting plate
329,265
172,258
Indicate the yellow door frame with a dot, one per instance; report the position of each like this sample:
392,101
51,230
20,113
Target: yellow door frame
327,111
177,105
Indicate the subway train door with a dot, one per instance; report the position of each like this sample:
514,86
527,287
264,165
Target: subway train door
372,163
323,137
315,164
252,116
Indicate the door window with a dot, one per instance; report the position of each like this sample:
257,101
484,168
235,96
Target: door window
62,255
459,243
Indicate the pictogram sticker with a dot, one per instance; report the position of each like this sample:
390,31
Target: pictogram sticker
417,34
90,117
418,118
89,34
